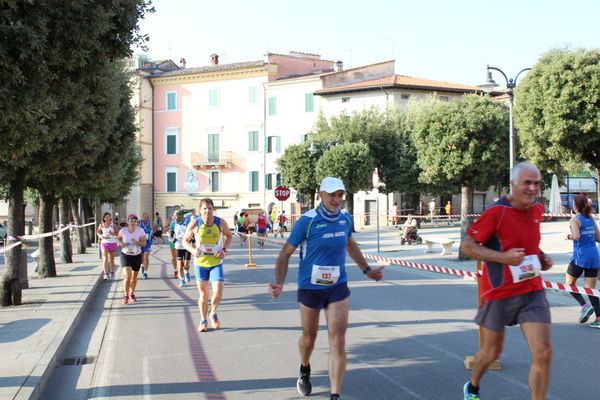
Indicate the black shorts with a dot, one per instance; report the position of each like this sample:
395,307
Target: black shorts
135,262
527,307
241,229
183,254
321,298
575,271
158,234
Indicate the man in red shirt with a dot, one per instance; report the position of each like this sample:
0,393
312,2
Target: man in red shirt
507,237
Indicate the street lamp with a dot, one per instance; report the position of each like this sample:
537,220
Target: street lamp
487,87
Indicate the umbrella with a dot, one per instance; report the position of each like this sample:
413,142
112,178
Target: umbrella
555,206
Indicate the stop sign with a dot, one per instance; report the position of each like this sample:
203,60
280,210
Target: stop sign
282,193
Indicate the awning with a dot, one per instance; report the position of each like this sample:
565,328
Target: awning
577,185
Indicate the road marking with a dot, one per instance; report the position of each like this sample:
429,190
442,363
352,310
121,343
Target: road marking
146,379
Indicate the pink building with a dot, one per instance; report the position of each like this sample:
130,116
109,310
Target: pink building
209,127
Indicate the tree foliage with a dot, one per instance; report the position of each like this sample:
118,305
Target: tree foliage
556,110
297,167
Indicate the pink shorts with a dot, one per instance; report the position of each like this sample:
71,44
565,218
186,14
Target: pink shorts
110,246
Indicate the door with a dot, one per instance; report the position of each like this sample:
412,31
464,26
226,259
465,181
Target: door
370,211
213,147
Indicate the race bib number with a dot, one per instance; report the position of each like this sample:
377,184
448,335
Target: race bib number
529,268
129,249
209,250
325,275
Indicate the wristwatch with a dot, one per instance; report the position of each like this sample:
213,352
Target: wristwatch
225,249
365,271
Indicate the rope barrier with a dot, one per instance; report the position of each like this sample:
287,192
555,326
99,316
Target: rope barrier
561,287
39,236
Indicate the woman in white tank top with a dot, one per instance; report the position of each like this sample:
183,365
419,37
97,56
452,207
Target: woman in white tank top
107,231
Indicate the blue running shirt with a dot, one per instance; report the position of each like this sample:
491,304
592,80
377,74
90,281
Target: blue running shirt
323,243
585,252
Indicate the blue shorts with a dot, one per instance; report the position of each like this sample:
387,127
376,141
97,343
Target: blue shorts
146,248
213,274
321,298
261,230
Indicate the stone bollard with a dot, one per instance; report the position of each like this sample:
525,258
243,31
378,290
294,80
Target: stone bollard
23,278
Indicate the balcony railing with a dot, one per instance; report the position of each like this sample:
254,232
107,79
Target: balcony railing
207,159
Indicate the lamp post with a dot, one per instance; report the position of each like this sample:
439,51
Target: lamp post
487,87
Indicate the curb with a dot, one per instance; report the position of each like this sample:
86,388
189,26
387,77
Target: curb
38,378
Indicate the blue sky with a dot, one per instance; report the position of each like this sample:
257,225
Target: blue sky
450,40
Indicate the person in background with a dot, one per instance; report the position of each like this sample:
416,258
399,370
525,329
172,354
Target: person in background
241,223
183,256
448,210
395,213
158,224
172,249
235,224
108,231
148,227
282,220
585,259
261,227
131,238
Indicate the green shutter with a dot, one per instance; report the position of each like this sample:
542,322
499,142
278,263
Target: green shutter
171,144
278,144
213,98
171,181
213,147
171,101
252,95
272,105
309,104
253,141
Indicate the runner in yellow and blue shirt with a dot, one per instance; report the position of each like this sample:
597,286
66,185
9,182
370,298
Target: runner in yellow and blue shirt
208,253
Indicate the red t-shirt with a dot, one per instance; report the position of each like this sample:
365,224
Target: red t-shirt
502,227
261,222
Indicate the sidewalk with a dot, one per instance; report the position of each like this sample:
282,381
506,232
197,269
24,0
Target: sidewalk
33,335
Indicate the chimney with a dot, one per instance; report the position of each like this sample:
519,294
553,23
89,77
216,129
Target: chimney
214,59
339,66
182,62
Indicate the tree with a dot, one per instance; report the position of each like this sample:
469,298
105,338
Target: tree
463,142
352,163
41,40
556,110
297,166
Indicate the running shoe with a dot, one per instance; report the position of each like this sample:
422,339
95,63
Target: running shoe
595,324
132,298
111,276
304,385
203,327
105,277
214,321
187,277
182,283
469,395
145,275
125,299
335,397
586,312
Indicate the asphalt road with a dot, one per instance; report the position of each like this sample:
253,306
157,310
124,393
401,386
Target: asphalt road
407,339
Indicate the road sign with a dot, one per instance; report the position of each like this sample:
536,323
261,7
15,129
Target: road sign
282,193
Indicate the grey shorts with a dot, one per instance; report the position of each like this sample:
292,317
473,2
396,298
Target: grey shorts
527,307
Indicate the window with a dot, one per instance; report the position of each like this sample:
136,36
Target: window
213,98
171,135
254,181
345,99
272,105
269,181
445,98
309,102
277,179
304,138
213,181
171,101
404,96
273,144
171,179
252,95
213,147
253,141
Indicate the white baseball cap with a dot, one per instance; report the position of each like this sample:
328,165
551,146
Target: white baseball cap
331,184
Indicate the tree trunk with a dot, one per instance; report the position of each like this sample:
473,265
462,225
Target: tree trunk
78,221
66,252
88,212
466,207
47,266
10,286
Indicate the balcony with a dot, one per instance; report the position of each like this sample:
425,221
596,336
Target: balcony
212,159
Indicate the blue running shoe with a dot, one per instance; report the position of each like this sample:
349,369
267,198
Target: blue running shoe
181,283
586,312
595,324
469,395
187,276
